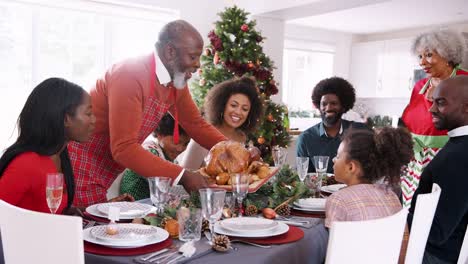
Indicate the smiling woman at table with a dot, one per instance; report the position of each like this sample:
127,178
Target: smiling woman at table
234,108
365,158
56,112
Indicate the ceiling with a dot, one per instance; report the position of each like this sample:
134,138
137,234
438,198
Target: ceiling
361,16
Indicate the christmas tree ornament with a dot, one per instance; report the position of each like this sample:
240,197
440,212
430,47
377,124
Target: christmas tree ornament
202,82
250,65
216,58
221,243
207,52
270,117
245,27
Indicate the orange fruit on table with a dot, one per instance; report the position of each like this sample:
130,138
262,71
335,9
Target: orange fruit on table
172,227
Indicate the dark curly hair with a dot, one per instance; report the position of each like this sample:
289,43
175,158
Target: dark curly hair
218,96
383,153
166,127
338,86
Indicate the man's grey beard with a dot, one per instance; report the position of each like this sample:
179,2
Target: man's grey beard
179,80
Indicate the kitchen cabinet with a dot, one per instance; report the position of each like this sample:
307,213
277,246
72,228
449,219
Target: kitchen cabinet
382,69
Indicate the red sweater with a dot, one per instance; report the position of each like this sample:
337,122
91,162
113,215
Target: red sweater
23,182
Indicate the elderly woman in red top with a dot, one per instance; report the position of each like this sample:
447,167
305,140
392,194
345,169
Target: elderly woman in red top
56,112
440,55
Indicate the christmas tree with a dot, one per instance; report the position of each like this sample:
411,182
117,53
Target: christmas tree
235,50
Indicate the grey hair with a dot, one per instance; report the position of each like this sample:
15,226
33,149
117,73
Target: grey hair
172,31
446,43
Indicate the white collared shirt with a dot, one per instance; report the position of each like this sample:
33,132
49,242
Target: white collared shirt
161,71
459,131
164,78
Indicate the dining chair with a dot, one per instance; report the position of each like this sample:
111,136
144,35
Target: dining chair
424,211
463,257
370,241
33,237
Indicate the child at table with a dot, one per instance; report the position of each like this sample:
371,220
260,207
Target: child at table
164,147
370,163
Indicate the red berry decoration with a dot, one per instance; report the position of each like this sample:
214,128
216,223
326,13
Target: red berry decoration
245,27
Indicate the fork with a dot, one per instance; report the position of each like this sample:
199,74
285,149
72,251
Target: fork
250,243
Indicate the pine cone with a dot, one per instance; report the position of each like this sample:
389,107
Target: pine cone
205,225
221,243
283,210
251,210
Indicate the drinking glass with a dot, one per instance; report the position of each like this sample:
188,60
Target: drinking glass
54,191
212,201
279,155
229,202
321,166
302,165
240,188
314,183
190,224
159,188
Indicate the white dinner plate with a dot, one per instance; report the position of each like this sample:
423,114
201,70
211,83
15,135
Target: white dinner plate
280,229
248,224
333,188
94,211
309,209
160,236
311,203
130,209
125,232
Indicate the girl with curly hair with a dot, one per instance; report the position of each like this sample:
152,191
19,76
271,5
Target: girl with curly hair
440,54
370,163
234,108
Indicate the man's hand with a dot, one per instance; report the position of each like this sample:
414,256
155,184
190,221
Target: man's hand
123,198
193,181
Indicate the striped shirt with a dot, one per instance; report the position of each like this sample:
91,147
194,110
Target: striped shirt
361,202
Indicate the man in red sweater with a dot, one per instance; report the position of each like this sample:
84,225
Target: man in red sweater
128,103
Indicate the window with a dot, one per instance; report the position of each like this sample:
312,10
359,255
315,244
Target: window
75,40
304,65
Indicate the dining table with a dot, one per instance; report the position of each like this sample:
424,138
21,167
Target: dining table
310,249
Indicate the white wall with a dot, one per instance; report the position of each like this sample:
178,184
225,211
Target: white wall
341,41
273,31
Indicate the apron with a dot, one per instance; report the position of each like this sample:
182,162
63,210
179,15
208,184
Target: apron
94,168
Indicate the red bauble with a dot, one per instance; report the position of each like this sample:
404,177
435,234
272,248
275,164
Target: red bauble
270,117
245,27
261,140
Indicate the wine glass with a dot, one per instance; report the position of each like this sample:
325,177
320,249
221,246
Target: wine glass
240,188
302,165
321,166
212,202
279,155
54,191
159,188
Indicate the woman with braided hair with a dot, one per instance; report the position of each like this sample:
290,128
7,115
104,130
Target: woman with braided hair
370,163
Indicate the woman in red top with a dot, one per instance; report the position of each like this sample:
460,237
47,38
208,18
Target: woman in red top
56,112
440,55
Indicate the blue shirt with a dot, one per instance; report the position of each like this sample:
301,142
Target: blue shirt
315,142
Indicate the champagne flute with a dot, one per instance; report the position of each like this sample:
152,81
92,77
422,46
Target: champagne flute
54,191
302,165
212,202
321,166
240,188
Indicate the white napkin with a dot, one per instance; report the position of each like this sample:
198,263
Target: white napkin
311,202
187,249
